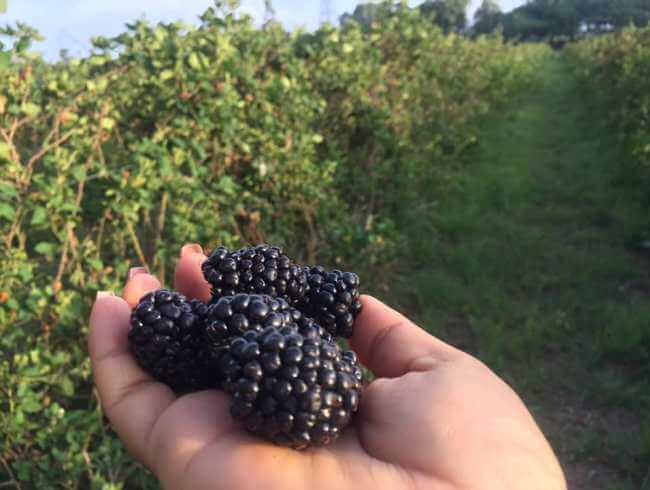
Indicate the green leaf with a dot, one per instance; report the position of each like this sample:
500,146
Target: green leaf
39,216
98,60
7,211
159,33
166,75
79,173
31,405
67,386
45,248
194,61
7,191
30,109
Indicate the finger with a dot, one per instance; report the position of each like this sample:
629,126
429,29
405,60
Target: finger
131,399
390,345
188,278
138,285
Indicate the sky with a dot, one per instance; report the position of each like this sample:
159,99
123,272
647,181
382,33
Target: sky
69,24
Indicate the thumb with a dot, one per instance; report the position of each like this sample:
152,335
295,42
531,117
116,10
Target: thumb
390,345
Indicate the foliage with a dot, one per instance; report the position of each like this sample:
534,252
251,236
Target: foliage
615,70
487,17
545,19
222,133
528,269
450,15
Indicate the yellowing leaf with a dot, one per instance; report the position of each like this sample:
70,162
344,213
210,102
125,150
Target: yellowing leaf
107,123
194,61
5,151
166,75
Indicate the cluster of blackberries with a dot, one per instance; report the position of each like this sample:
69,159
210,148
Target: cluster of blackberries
330,298
267,337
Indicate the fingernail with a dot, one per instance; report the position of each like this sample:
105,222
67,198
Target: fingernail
190,248
103,294
134,271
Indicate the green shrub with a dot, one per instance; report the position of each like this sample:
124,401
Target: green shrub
615,70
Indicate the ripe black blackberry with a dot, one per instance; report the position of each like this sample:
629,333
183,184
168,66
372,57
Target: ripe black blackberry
332,299
232,316
262,269
295,390
165,337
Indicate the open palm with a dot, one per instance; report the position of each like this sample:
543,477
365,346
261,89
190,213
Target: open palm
435,417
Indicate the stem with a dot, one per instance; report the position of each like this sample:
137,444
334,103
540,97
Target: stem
136,244
43,150
159,230
12,482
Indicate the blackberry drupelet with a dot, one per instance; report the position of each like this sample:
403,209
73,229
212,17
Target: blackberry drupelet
295,390
262,269
165,338
332,299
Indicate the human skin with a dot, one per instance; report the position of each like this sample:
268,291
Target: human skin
434,418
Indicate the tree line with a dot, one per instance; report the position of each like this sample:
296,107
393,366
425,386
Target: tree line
533,21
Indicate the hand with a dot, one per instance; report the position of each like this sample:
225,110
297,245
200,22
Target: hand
435,417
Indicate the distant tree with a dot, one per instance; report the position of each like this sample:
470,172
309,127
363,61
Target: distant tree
364,14
487,18
451,15
626,12
545,19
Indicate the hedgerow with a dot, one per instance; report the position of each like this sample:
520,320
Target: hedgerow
218,133
615,70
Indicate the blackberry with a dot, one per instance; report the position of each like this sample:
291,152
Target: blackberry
332,299
233,316
295,390
261,269
165,338
229,316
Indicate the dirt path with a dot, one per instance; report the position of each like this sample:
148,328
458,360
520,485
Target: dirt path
532,271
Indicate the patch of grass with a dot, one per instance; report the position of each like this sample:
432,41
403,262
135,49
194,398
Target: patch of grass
527,263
